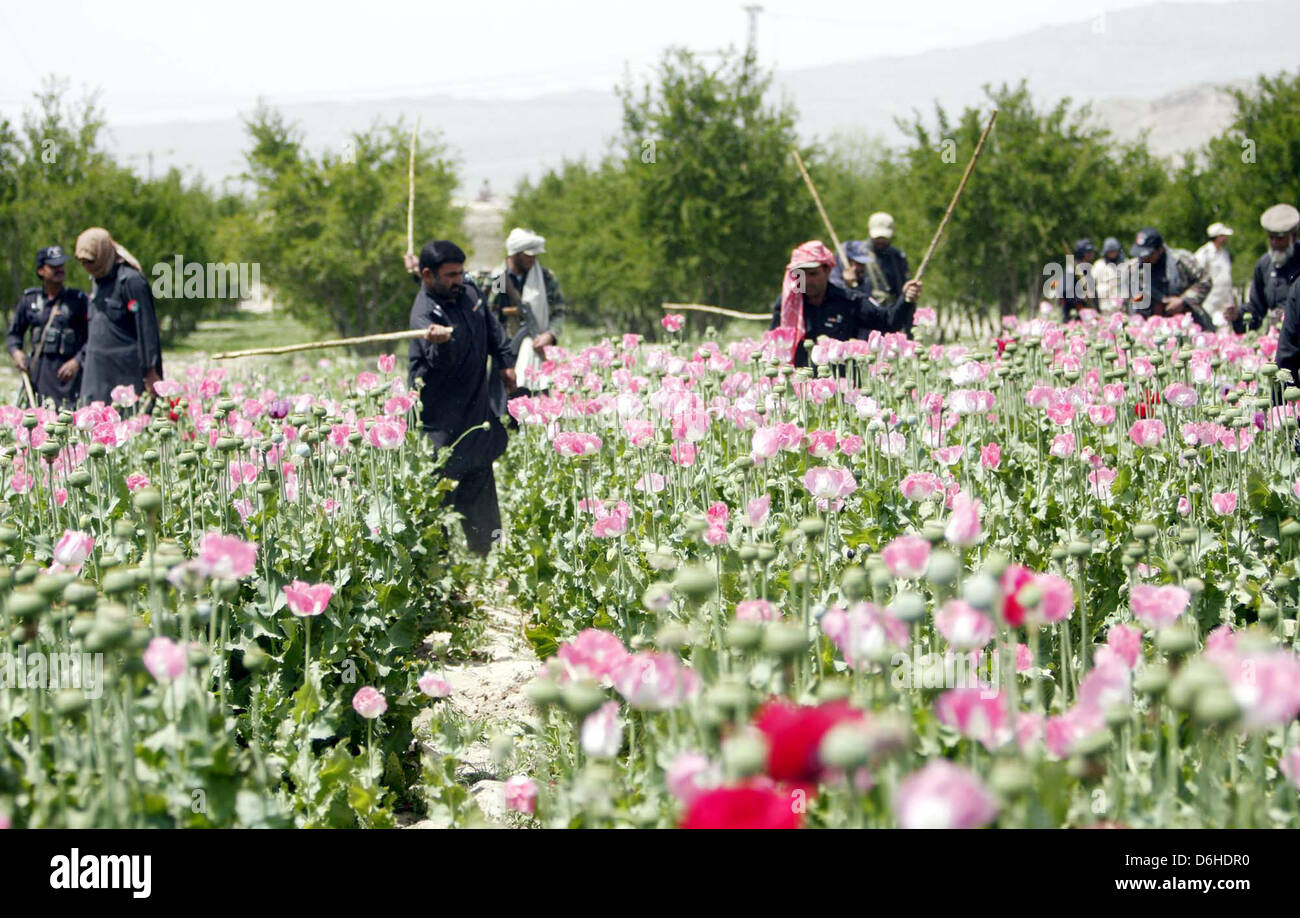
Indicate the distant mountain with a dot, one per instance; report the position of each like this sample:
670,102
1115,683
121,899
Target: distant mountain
1155,67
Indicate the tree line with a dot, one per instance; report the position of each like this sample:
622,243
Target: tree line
695,200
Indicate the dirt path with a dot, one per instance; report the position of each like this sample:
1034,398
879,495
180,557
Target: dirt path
490,690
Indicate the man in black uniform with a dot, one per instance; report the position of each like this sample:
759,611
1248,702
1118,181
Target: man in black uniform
1080,295
57,318
831,310
892,262
450,362
1275,272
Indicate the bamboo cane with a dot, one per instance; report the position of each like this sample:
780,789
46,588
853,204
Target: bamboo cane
970,166
798,161
321,345
410,192
27,384
698,307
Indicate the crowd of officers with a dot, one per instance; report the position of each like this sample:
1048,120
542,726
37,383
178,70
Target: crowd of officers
76,348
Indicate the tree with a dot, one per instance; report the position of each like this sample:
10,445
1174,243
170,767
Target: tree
330,231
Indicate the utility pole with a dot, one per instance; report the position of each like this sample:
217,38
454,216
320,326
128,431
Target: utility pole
753,9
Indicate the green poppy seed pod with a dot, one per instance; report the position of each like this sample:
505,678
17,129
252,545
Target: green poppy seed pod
982,591
833,690
225,589
227,404
48,450
187,459
265,488
944,568
744,754
116,583
1283,375
26,573
255,659
25,605
147,500
1194,585
854,583
70,702
695,582
150,456
124,530
1057,553
1145,531
661,561
1093,743
339,470
1079,548
1152,680
1117,715
729,696
1178,558
846,746
672,636
201,446
1188,536
318,411
96,450
812,526
197,655
1175,641
80,479
29,420
657,597
1215,706
744,635
8,535
1011,778
81,594
80,626
784,640
543,693
932,532
227,444
107,635
1290,529
1268,371
1267,612
1281,582
908,606
748,553
581,698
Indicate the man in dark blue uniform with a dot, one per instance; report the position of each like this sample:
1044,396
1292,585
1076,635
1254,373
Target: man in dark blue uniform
891,261
450,362
57,319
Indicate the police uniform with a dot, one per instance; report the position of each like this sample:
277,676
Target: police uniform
1271,284
58,329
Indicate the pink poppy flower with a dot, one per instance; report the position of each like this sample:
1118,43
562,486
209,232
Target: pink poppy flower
863,632
963,626
821,443
963,528
919,486
521,792
851,444
1158,606
652,483
682,454
673,322
907,556
826,483
691,774
1224,502
137,480
305,599
756,511
1101,415
226,557
976,714
72,550
164,659
1125,642
1147,434
1058,598
990,455
601,735
757,610
387,362
639,433
573,445
433,686
943,796
594,654
1181,395
655,681
1289,764
369,702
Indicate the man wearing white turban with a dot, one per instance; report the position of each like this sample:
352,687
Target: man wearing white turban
527,301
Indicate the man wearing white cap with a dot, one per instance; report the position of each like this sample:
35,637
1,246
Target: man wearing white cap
528,303
892,262
1275,272
1214,258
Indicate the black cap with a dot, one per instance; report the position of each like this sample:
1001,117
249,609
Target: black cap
1148,240
1111,245
50,255
1083,247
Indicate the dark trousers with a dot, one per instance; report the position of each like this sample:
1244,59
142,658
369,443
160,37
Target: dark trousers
475,499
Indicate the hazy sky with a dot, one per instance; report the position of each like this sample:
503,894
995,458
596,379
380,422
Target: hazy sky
168,60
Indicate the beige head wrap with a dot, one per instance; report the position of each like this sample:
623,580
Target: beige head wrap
97,245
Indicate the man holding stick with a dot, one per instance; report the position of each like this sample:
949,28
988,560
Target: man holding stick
450,363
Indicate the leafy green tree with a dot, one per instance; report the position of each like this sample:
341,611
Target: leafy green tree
329,231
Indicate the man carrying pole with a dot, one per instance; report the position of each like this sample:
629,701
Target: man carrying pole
57,317
450,362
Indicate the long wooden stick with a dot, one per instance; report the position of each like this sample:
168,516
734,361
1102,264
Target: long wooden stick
320,345
27,384
970,166
698,307
410,192
817,199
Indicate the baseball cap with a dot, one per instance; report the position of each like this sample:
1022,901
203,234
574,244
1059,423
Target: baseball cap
1280,218
880,224
1218,229
858,250
1083,247
1148,240
50,255
1111,245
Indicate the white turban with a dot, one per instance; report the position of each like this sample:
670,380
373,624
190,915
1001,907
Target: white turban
526,241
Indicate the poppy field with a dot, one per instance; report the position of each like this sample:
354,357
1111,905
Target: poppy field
1042,580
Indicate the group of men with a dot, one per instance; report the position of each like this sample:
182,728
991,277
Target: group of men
1159,279
77,348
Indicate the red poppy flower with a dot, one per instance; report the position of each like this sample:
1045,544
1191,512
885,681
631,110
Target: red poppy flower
794,734
1013,578
1148,403
744,807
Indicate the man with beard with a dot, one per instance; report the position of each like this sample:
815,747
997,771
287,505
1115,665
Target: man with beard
57,317
1107,286
1217,262
812,306
450,363
1275,272
1177,283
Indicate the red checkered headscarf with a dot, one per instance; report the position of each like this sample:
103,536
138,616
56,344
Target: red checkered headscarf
813,251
